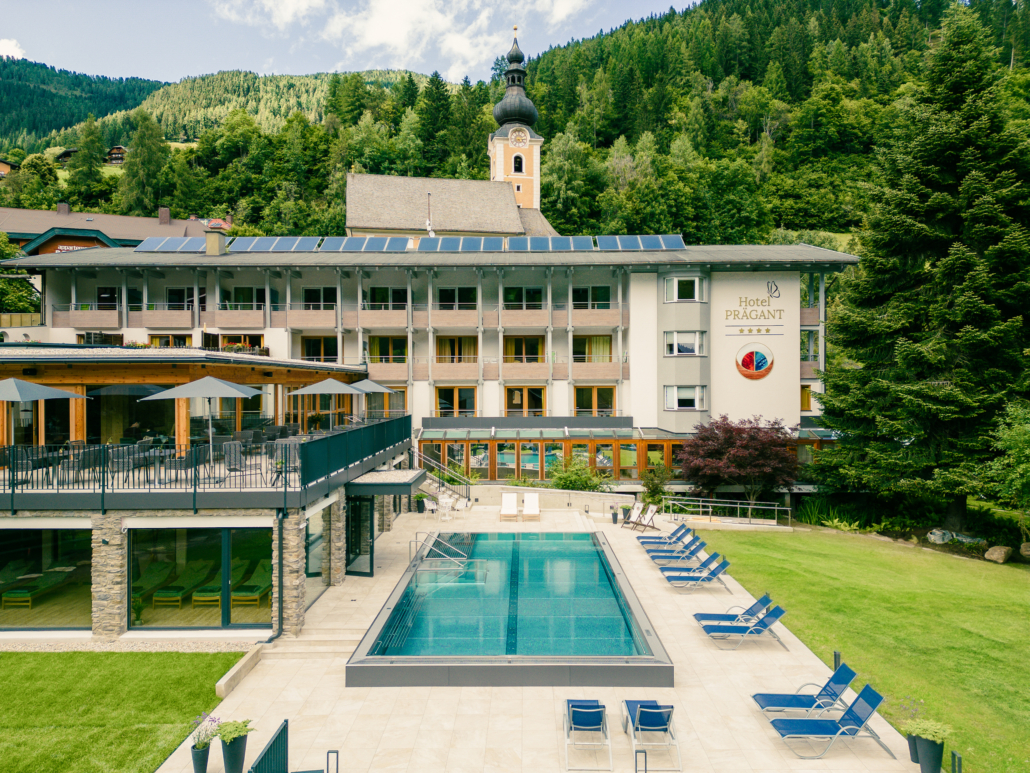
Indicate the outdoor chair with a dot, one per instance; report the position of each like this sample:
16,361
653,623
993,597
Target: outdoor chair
634,514
243,436
217,443
753,612
646,521
853,723
83,463
285,459
673,538
829,696
695,581
586,717
754,630
121,461
687,554
292,429
430,507
531,507
644,719
189,462
509,507
236,462
685,571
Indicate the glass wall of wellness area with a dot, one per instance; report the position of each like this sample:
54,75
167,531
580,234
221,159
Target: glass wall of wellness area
505,454
114,414
45,578
200,578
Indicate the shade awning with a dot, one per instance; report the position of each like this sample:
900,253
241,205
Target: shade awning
209,386
126,390
370,387
328,387
14,390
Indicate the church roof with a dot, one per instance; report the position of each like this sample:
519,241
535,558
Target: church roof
535,223
392,203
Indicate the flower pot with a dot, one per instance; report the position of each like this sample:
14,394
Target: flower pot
615,517
421,505
233,754
913,750
930,753
200,758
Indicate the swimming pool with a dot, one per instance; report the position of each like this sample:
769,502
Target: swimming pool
511,608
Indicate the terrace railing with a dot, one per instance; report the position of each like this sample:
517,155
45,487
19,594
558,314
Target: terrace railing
735,510
275,757
442,477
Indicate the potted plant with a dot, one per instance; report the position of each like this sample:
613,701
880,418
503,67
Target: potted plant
137,610
926,743
420,501
205,729
234,744
625,512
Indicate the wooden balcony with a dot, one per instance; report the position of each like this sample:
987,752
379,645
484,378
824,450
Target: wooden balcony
388,371
514,371
595,370
446,318
311,319
240,318
606,318
444,368
168,318
525,317
85,317
388,318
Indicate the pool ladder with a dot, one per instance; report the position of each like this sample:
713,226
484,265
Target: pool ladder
432,541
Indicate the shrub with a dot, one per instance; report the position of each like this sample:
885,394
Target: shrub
653,481
836,523
574,474
928,729
814,510
230,731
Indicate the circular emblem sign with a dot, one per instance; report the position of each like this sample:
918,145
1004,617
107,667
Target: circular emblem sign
755,361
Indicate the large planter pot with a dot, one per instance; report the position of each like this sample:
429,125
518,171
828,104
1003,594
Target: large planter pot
200,758
615,517
233,754
930,753
421,505
913,750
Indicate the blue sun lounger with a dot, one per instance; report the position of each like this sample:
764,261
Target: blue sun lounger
683,556
583,716
640,717
753,630
695,581
748,615
675,548
830,696
853,723
701,568
675,537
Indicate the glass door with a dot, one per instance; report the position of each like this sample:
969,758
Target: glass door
360,536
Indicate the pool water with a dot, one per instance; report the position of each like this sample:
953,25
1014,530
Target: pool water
549,594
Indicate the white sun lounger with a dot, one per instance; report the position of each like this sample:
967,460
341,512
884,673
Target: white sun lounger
531,507
509,507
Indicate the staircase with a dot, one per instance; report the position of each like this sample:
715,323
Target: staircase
320,640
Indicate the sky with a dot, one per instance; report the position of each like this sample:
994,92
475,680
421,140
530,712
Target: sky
170,40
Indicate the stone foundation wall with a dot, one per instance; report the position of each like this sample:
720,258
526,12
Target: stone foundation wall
336,541
110,575
294,579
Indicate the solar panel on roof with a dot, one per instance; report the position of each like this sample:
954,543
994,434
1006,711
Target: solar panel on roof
493,244
397,244
284,244
472,244
428,244
450,244
582,243
150,244
171,244
539,243
673,242
354,243
608,243
333,243
375,244
243,243
518,243
561,243
651,242
629,242
263,244
194,244
306,244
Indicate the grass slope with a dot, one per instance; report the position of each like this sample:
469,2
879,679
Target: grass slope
915,624
98,712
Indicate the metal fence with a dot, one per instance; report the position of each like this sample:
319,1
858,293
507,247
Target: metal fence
275,757
726,510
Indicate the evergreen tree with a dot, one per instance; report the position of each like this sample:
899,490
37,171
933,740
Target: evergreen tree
434,116
141,181
85,169
468,127
189,197
353,99
409,92
931,319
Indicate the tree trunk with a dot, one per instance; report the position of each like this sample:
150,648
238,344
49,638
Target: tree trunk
955,518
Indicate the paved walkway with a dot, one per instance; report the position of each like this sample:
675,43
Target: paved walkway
519,729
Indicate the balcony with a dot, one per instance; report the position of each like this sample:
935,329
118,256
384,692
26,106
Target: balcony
455,315
595,367
165,315
605,315
92,316
809,315
529,367
388,369
384,315
240,315
310,316
809,367
526,315
461,368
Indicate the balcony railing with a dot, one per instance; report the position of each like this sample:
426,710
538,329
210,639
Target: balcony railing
455,359
241,307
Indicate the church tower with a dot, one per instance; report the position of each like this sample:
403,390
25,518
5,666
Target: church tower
514,148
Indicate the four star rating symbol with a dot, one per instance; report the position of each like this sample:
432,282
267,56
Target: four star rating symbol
758,330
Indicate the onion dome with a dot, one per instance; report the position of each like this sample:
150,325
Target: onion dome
515,107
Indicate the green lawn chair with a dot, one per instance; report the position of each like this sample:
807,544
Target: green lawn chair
153,577
192,577
211,594
38,586
259,584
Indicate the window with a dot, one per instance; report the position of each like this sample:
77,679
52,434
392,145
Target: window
387,349
455,401
518,189
525,401
806,397
319,348
107,298
683,289
592,297
684,343
107,339
516,165
529,460
319,298
243,299
592,349
178,341
522,349
655,454
595,400
628,461
463,349
379,405
386,298
684,398
255,341
179,298
523,298
454,298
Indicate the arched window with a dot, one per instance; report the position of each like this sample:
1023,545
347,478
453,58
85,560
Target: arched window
516,167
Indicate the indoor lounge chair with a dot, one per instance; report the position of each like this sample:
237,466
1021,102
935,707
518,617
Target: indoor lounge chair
531,507
509,507
853,723
259,584
191,578
702,568
210,594
755,630
643,720
732,616
11,573
695,581
633,516
153,577
585,717
675,537
830,695
24,595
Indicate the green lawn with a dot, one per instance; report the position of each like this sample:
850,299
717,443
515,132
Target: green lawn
107,171
100,712
915,624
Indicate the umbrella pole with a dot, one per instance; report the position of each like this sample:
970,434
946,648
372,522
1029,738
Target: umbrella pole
210,430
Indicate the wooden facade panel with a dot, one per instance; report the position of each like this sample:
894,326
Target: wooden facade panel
489,317
135,319
388,371
349,318
278,319
455,370
250,318
594,370
389,318
490,370
312,319
525,317
560,318
77,419
808,368
810,316
420,318
465,318
561,371
165,318
595,317
419,371
94,319
514,371
61,319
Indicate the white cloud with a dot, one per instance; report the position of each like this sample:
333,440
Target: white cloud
10,48
558,11
278,13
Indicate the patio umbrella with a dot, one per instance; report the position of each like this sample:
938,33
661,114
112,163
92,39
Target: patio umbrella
367,387
328,387
125,390
208,387
14,390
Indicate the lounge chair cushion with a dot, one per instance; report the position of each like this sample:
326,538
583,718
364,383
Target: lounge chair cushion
785,701
809,727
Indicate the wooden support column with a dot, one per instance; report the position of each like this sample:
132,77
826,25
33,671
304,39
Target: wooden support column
182,421
276,398
239,414
5,423
77,415
41,422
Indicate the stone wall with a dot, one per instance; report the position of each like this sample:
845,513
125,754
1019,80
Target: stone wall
336,541
294,579
110,575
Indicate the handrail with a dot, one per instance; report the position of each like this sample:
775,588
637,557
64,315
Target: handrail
722,508
432,546
442,475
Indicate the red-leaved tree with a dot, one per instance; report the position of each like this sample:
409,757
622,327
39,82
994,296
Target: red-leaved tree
748,453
